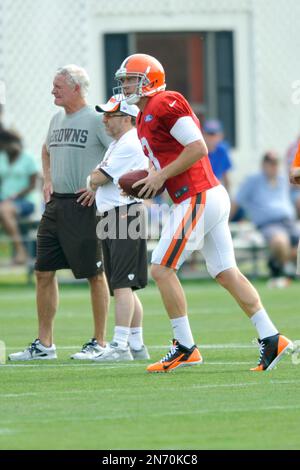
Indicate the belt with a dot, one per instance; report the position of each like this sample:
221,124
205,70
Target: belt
66,195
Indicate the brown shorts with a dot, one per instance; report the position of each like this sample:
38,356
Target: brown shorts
124,253
67,238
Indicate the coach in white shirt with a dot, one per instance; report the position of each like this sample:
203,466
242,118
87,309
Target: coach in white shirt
124,247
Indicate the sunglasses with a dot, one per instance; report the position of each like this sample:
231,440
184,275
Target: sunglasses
272,161
110,115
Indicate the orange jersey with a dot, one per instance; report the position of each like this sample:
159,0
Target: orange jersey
154,126
296,162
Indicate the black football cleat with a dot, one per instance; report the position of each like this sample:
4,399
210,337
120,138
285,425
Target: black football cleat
272,350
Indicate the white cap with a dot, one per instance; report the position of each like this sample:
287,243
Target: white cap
118,103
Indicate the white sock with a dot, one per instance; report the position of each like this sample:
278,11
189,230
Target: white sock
182,331
263,324
136,338
46,347
121,335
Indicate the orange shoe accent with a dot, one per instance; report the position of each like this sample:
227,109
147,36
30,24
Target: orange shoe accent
272,354
283,342
258,368
166,366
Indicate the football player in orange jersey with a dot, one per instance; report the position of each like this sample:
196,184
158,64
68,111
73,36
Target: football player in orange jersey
295,179
171,137
295,169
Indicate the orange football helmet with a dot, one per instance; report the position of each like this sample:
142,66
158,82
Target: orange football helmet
149,73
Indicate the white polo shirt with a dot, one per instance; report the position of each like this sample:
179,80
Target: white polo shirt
121,156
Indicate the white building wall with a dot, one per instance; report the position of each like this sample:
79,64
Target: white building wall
276,41
37,36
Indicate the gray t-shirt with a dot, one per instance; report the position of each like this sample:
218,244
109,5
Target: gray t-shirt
76,144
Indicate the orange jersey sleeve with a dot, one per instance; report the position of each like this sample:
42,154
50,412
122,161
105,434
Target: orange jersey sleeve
296,162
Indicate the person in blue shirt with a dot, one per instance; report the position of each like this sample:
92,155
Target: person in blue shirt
218,150
18,173
219,156
266,200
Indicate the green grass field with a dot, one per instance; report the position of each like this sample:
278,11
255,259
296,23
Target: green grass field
218,405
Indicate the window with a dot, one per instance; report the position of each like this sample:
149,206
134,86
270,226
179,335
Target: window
198,64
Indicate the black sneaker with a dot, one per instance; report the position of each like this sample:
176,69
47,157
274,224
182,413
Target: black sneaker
178,356
272,350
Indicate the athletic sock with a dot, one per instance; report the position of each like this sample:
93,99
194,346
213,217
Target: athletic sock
121,335
136,338
46,347
263,324
182,331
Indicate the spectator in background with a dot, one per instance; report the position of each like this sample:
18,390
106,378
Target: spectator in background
294,190
294,170
265,198
218,150
18,174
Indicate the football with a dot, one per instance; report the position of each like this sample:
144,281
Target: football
128,179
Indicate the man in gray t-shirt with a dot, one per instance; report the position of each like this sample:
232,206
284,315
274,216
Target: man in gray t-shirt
75,143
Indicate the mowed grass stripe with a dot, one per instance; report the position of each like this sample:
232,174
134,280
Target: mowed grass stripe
112,390
218,405
43,365
129,416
